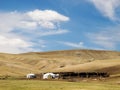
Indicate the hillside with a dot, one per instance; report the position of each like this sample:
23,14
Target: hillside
68,60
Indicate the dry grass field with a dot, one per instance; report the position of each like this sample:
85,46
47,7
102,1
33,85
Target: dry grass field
68,60
17,65
56,85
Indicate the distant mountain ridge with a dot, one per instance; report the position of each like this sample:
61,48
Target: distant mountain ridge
54,61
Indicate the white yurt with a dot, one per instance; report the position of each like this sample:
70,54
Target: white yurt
49,76
31,75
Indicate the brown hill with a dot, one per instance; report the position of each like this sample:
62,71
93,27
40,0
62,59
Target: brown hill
69,60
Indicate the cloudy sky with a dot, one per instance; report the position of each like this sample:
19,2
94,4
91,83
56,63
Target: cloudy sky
48,25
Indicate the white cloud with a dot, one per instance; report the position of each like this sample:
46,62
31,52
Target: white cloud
8,21
30,20
107,38
13,45
16,28
47,24
53,32
71,44
41,43
47,15
102,40
107,7
80,45
27,25
47,18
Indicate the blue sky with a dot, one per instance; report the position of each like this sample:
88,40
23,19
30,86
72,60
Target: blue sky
48,25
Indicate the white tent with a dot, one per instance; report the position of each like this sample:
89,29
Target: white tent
49,75
31,75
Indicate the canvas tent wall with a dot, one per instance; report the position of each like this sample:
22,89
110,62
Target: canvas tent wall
31,75
50,76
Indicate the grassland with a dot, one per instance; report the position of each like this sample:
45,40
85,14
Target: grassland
69,60
56,85
18,65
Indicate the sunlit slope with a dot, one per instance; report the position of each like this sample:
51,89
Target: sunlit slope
68,60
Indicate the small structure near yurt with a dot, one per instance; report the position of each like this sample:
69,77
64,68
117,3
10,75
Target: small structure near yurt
31,76
50,76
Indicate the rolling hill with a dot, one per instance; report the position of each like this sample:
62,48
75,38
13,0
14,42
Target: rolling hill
60,61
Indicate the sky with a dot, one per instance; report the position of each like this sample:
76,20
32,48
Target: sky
50,25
